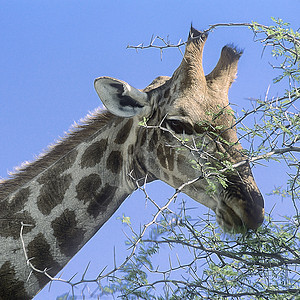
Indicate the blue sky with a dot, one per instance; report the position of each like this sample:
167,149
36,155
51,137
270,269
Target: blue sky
51,52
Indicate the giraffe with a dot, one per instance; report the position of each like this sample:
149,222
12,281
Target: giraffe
65,196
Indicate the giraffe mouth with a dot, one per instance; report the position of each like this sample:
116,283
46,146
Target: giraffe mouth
240,209
229,220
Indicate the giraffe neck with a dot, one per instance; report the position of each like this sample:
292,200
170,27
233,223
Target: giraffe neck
63,205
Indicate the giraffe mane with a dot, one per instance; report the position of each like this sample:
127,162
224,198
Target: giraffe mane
79,132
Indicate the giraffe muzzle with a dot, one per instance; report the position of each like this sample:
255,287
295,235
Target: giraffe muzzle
241,207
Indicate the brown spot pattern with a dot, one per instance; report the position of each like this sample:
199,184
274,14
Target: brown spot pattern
11,215
124,132
114,162
159,112
174,88
167,93
93,154
165,156
144,137
87,187
155,137
181,163
161,156
101,201
130,150
120,200
53,191
38,251
10,287
10,225
68,235
153,141
169,152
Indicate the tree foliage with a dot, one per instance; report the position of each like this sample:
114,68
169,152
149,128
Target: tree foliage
264,264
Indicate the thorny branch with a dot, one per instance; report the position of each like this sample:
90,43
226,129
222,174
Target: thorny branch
165,44
255,27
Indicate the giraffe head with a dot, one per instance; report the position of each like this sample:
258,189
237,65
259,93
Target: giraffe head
193,108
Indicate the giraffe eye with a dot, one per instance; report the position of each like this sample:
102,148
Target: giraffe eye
179,127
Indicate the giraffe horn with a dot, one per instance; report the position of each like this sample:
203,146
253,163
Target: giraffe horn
190,72
196,34
222,76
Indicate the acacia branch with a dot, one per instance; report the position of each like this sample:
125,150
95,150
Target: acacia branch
265,156
255,27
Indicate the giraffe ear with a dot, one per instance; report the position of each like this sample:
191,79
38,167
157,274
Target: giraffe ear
120,98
